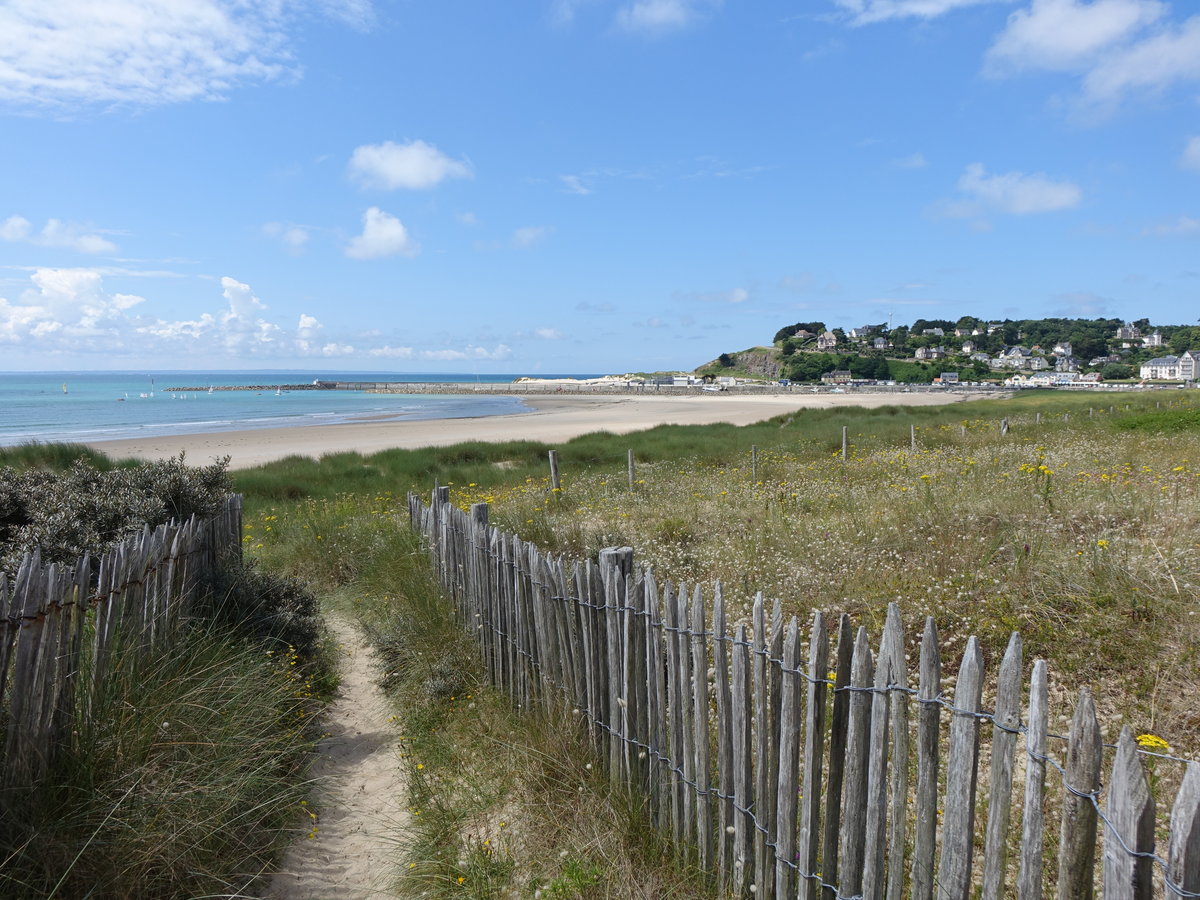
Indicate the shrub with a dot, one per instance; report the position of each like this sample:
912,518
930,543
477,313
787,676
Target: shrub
86,509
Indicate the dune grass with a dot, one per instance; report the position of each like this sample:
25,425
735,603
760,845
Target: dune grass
184,780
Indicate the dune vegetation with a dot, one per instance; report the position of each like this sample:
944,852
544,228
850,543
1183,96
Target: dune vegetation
1075,524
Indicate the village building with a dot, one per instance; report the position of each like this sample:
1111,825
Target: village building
837,376
880,343
1153,340
930,353
1172,368
968,348
827,341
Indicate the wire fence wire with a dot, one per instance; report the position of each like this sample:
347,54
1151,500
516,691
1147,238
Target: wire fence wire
518,603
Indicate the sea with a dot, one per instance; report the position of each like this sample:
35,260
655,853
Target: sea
98,406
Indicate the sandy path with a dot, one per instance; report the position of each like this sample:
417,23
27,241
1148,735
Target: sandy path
361,793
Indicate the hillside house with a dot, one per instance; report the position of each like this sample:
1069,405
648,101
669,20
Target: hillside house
862,332
1066,364
930,353
879,343
827,341
948,378
1062,348
1129,332
934,332
968,348
837,376
1153,340
993,327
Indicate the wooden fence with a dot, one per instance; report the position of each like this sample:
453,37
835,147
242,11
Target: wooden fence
64,629
796,768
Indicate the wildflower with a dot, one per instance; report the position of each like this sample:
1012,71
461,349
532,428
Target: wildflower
1153,743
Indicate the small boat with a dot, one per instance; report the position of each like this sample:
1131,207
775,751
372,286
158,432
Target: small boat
64,387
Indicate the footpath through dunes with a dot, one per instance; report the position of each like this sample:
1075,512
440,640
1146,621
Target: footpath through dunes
358,814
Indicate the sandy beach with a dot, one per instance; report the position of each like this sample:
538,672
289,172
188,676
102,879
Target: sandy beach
550,419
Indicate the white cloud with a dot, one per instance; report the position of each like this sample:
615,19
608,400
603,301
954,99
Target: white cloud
415,166
548,334
382,235
500,351
468,218
530,235
1064,34
293,237
573,184
912,161
1191,155
735,296
1171,55
659,16
56,233
1014,192
15,228
1183,226
71,53
868,12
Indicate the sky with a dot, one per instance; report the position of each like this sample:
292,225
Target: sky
579,185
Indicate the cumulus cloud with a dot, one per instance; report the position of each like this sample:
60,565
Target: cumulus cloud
1153,64
1063,34
382,235
530,235
414,166
868,12
1015,193
1191,155
55,233
1118,47
72,53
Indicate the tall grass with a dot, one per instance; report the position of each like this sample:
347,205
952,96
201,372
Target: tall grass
183,781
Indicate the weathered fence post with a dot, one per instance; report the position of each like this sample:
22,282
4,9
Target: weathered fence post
1004,738
1183,852
1130,826
928,750
1033,825
958,823
912,438
845,445
754,463
629,465
555,484
1077,849
1003,426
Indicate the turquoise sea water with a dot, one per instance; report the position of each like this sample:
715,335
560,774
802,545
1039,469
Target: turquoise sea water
99,406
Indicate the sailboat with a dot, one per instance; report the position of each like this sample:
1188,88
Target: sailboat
64,387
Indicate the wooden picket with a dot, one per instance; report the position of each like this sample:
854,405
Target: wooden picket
784,770
58,622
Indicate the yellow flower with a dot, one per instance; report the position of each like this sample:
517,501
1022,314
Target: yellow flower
1153,742
1102,544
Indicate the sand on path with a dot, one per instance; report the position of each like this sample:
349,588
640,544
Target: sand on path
550,419
360,796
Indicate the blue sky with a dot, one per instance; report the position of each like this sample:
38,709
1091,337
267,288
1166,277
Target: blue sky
579,185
